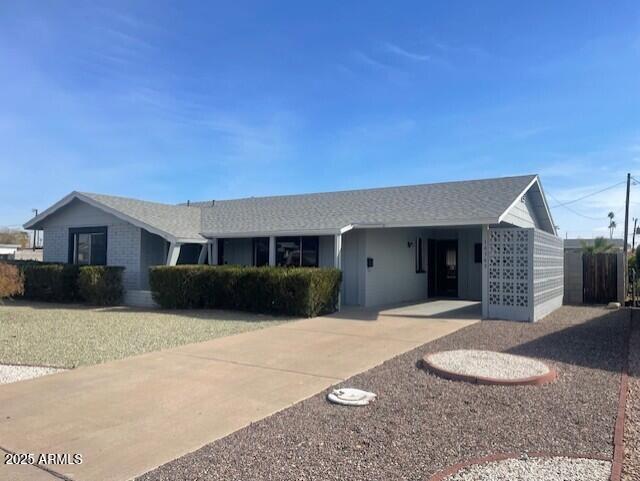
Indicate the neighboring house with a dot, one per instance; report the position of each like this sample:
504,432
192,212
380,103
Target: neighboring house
8,251
29,254
492,240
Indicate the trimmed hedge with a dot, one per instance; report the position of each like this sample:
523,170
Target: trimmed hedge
275,290
49,282
52,282
101,285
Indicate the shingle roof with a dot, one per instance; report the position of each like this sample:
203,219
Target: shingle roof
448,203
177,220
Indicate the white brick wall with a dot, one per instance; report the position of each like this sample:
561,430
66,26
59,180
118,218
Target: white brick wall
56,244
123,249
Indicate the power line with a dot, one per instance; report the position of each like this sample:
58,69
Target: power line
562,204
575,211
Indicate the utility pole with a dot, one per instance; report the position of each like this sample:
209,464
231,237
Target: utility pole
35,232
624,242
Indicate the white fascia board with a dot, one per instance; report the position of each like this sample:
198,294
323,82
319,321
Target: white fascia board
187,240
120,215
437,223
271,233
546,207
47,212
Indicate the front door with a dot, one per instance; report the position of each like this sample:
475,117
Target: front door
443,268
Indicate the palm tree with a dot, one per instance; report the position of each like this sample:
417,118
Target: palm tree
600,244
612,224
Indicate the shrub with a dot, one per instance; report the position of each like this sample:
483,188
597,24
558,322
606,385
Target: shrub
52,282
100,285
11,281
277,290
49,282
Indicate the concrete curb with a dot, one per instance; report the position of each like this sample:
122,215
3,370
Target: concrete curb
550,376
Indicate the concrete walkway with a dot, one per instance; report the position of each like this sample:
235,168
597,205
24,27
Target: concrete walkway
130,416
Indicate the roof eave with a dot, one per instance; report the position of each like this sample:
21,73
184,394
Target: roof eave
31,224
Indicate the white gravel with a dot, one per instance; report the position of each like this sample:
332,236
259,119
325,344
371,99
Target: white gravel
488,364
10,373
536,469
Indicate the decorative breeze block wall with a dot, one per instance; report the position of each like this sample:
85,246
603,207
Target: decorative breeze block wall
548,273
524,273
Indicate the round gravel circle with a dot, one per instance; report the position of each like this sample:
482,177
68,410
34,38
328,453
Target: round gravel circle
488,367
555,468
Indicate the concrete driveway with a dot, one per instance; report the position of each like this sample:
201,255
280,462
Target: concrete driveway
130,416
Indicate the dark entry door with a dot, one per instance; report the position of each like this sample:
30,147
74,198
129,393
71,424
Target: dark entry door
443,268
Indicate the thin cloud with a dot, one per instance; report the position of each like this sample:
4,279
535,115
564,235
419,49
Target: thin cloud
370,61
401,52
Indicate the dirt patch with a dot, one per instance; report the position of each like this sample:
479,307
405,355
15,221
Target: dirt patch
421,423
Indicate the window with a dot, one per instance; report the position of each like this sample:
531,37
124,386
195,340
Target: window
419,256
260,251
477,253
88,246
297,251
309,251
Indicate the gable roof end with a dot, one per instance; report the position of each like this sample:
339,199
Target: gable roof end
174,223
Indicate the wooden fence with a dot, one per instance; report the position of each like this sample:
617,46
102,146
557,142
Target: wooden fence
600,278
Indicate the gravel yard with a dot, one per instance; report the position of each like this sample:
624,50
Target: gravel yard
631,467
67,336
421,423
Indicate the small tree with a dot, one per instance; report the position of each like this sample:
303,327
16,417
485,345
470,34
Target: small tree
11,281
612,224
600,244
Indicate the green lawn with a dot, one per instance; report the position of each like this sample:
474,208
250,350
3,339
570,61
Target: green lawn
69,335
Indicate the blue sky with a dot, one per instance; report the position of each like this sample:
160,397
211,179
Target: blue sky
171,101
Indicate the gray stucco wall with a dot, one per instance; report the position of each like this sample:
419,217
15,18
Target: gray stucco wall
354,267
325,254
153,249
123,239
393,277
